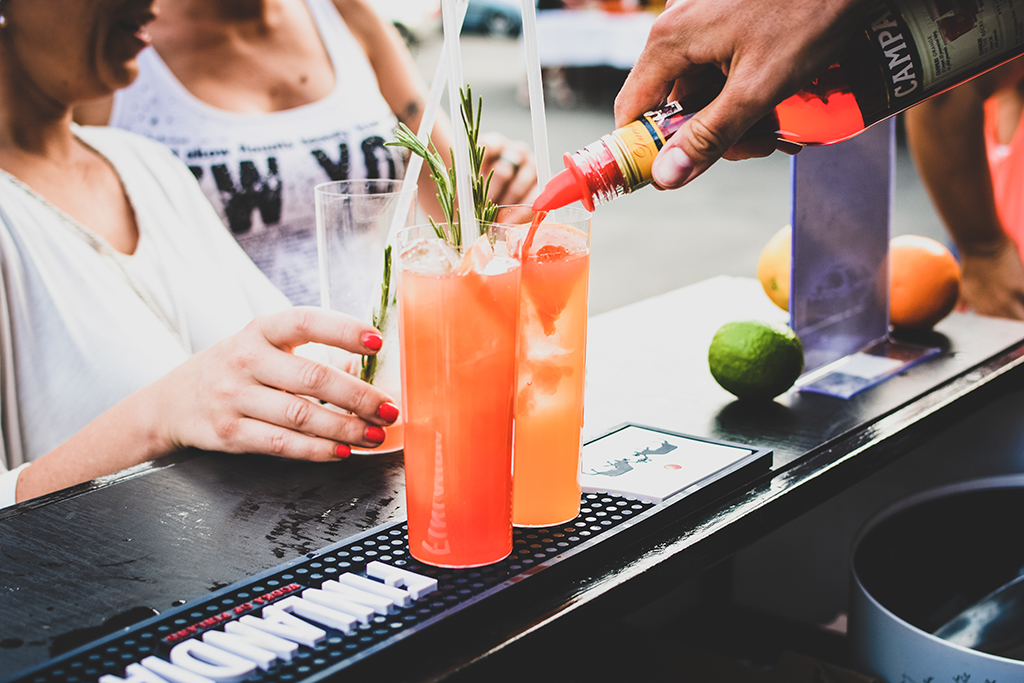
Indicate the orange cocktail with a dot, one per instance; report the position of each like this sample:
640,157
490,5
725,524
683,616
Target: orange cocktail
552,355
458,328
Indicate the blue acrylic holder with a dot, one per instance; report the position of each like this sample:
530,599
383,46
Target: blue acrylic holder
839,282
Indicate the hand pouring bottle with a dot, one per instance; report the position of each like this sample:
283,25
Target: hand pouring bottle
905,51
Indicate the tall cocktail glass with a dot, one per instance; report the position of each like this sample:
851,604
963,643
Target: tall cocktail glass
552,358
458,326
353,222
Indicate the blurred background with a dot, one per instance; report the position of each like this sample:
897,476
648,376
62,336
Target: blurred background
648,242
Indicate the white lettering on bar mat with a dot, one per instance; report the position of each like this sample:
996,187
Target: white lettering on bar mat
249,642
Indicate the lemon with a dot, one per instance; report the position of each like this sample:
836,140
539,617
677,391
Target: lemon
754,359
773,267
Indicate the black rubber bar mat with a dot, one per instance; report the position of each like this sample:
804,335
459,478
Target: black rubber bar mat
314,616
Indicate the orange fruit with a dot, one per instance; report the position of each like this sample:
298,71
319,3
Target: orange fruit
924,282
773,267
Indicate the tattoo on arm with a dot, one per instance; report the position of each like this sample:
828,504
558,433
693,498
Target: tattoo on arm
411,113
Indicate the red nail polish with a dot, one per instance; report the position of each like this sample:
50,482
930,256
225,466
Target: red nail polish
374,433
342,451
373,341
388,412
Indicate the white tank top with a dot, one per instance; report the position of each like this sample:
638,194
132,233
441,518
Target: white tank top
259,170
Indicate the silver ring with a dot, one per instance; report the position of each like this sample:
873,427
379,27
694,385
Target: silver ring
514,160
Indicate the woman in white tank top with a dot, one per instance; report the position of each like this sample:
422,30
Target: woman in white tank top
265,99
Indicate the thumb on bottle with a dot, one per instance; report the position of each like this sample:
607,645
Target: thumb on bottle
691,151
704,139
672,167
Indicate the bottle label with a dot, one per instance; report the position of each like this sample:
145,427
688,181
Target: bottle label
928,45
634,147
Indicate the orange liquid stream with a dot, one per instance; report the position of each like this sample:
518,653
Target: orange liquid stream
531,234
458,336
552,355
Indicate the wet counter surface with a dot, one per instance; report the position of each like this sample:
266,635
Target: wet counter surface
123,548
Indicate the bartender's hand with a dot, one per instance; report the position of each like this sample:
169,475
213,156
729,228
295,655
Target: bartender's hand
992,283
515,170
767,49
248,393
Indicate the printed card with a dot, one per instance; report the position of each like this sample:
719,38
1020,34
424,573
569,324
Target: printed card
654,465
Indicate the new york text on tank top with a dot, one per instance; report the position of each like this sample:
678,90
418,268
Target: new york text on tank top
251,188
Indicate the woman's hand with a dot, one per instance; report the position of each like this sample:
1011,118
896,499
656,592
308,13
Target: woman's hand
251,394
248,394
515,170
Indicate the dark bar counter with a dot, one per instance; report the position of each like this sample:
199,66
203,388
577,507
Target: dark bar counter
85,561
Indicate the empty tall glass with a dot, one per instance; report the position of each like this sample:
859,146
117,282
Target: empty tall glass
353,222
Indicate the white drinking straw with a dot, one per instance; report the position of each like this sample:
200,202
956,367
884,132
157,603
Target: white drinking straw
460,141
433,103
536,90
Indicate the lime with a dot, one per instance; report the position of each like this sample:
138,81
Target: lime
754,359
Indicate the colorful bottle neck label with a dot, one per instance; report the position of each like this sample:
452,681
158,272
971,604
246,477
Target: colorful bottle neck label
634,147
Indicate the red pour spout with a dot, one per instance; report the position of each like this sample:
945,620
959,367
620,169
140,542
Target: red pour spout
566,187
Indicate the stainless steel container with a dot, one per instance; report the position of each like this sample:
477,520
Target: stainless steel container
920,562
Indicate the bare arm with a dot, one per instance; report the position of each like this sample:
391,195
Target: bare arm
404,91
399,83
946,137
243,395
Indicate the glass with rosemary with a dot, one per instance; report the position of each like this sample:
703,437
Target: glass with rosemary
354,219
458,302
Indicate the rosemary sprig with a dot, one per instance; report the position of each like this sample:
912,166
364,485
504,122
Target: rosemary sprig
368,364
486,210
444,178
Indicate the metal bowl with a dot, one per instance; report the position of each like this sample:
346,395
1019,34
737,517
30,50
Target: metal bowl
922,561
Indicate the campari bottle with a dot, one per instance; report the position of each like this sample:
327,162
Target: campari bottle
906,51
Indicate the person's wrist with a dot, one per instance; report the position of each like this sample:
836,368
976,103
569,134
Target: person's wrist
148,410
995,246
